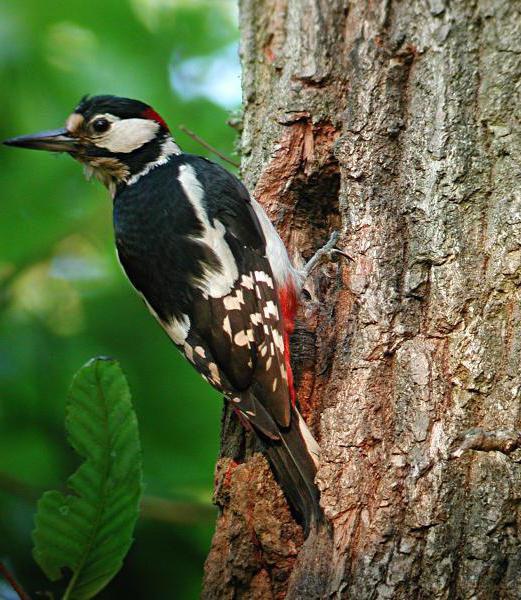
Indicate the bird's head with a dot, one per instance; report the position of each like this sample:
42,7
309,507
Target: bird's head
115,138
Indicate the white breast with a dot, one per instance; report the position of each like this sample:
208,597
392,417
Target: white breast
275,250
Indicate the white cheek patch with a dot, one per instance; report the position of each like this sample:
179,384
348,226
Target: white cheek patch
128,135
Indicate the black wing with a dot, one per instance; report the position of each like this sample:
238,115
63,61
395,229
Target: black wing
243,330
236,340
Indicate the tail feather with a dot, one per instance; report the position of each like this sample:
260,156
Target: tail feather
293,458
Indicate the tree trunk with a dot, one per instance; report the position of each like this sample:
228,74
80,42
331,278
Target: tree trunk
396,123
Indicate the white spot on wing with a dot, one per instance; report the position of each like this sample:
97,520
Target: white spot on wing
178,329
256,318
241,339
271,309
262,276
214,373
227,326
234,302
189,352
215,283
200,350
247,282
278,339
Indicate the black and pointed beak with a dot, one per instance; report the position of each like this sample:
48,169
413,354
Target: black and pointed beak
57,140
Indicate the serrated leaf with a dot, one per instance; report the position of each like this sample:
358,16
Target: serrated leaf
90,530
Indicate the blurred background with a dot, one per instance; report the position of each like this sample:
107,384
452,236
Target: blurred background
63,298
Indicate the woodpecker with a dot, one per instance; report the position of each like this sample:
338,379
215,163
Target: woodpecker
210,267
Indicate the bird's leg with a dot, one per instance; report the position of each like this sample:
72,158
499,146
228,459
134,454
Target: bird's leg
326,253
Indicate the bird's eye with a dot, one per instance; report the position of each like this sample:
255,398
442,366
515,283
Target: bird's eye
100,125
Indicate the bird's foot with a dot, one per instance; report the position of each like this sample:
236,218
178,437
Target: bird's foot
328,252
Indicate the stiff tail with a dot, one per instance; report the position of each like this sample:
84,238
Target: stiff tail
293,459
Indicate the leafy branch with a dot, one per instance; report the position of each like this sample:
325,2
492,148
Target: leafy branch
90,530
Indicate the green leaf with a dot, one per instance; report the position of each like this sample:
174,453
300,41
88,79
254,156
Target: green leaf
90,531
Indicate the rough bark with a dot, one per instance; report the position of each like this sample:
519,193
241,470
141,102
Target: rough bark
398,124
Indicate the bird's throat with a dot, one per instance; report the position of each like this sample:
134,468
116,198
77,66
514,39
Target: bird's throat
110,171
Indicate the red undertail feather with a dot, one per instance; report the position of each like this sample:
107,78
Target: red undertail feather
288,305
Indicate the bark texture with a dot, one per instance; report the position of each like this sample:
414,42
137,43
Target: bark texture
396,123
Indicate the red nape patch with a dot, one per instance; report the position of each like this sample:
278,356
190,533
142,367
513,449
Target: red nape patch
151,114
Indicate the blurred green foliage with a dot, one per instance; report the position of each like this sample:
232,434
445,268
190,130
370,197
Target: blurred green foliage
63,298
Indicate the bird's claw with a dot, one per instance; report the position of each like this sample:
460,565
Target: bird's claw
327,252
